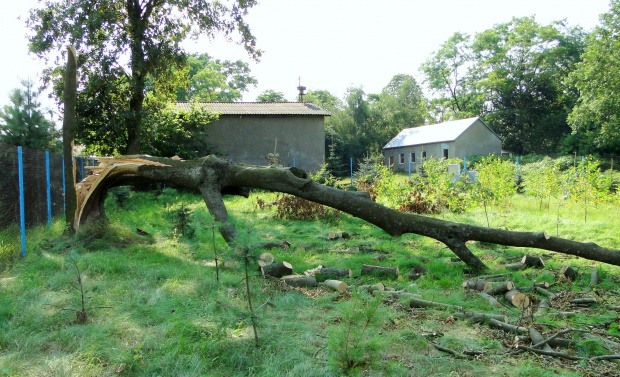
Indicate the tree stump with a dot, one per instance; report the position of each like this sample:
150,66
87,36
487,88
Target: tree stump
568,273
517,299
533,261
388,272
594,277
277,270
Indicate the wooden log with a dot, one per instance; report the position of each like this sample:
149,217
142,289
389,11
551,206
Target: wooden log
301,281
398,295
533,261
500,289
542,284
476,285
277,269
563,314
568,273
389,272
594,277
544,292
537,338
419,303
515,266
491,300
493,276
507,327
265,259
543,308
332,273
336,285
368,288
553,342
482,318
517,299
583,301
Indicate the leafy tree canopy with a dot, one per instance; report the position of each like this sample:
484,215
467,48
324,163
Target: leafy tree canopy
214,80
23,123
144,36
271,95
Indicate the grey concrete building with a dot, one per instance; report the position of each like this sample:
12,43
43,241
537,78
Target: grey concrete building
454,139
247,131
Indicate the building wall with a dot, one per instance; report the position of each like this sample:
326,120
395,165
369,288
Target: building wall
476,140
248,139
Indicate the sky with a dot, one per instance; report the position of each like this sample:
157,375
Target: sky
330,44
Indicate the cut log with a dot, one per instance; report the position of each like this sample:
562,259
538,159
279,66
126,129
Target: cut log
533,261
537,338
500,289
398,295
515,266
507,327
564,314
331,273
277,269
368,288
545,292
491,300
553,342
336,285
583,301
300,281
568,273
493,277
476,285
594,277
388,272
265,259
517,299
481,318
543,308
542,284
419,303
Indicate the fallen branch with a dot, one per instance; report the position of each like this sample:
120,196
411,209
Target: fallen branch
447,350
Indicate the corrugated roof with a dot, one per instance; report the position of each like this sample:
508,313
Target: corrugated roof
258,108
434,133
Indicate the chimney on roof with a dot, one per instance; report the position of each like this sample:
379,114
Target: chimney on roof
301,91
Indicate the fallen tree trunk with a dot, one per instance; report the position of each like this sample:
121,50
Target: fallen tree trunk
212,176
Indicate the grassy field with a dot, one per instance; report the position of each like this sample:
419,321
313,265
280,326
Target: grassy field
156,308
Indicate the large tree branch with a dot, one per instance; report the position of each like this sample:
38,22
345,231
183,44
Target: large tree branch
211,176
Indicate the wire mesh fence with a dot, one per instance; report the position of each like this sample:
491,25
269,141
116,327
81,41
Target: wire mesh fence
32,196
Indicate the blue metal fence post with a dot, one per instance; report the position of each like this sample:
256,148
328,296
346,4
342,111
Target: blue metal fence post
49,189
22,219
293,161
351,171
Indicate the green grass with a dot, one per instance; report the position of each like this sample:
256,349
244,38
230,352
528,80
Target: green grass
169,317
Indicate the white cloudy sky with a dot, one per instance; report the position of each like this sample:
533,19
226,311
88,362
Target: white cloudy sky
331,44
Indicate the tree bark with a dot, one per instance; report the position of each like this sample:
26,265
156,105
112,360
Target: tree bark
212,176
277,269
68,136
391,272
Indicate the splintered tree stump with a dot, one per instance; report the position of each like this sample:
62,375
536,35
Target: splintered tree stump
517,299
568,273
476,285
388,272
331,273
300,281
336,285
277,269
500,288
265,259
533,261
490,299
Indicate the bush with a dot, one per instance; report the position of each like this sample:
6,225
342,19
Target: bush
289,207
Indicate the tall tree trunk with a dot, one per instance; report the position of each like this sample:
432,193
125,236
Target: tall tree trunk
138,19
68,135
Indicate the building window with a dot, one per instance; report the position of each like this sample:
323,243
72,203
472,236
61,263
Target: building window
423,155
402,158
412,156
445,154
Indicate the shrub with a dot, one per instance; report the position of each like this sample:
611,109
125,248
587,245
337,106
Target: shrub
289,207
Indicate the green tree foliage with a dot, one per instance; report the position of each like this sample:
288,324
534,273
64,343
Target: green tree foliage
271,95
515,76
214,80
595,119
146,34
23,122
